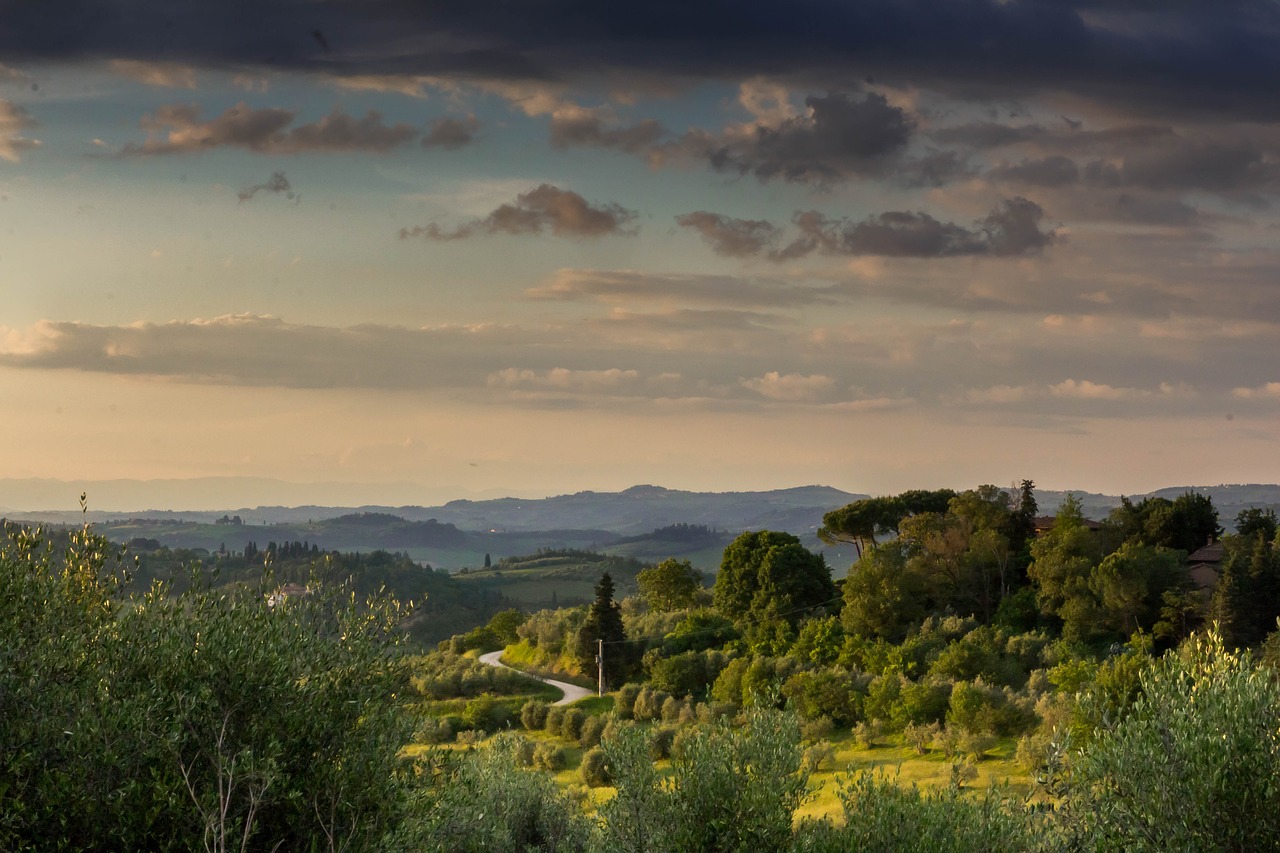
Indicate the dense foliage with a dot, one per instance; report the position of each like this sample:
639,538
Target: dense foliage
238,716
212,719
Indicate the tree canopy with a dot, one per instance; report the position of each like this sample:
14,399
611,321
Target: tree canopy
766,574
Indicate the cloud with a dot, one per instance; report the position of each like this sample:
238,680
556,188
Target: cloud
451,133
411,85
573,126
1052,171
615,286
1079,390
789,387
13,121
164,75
1195,56
732,238
1269,391
277,183
177,129
837,137
262,351
562,379
563,213
9,74
1011,229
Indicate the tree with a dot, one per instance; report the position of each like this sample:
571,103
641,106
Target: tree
1211,719
882,597
1254,522
1184,524
1062,562
670,585
1131,582
604,622
766,574
201,719
861,521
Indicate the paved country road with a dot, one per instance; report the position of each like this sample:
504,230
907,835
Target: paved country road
572,692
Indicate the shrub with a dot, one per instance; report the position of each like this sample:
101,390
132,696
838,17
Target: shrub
882,814
918,737
867,733
1213,719
816,730
554,718
124,721
592,729
434,730
736,788
814,756
533,715
626,700
549,756
487,713
649,704
571,724
493,804
963,771
948,740
710,712
470,737
660,740
595,768
976,744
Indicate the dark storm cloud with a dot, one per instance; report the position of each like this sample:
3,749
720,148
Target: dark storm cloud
178,129
451,133
1012,229
547,208
1199,55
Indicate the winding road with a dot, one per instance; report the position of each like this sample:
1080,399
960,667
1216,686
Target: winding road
572,692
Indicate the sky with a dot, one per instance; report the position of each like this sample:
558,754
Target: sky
532,247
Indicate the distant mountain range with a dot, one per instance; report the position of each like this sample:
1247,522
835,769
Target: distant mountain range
627,523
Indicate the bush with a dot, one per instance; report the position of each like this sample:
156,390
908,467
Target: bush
434,730
489,804
548,756
626,700
125,720
867,733
816,730
814,756
710,712
736,788
1212,717
648,704
595,768
660,740
554,719
533,715
918,737
571,723
592,729
882,814
487,714
976,744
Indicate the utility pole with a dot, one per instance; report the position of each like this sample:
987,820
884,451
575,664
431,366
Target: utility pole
600,665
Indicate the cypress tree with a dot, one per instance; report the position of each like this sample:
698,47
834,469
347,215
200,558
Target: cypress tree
604,622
